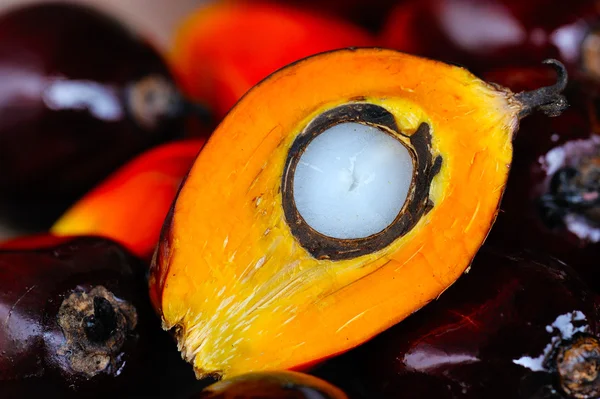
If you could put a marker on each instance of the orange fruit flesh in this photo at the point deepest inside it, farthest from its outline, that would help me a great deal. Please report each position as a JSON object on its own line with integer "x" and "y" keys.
{"x": 240, "y": 290}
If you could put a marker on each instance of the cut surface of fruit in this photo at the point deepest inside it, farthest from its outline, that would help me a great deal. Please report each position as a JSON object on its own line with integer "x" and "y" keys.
{"x": 248, "y": 284}
{"x": 352, "y": 180}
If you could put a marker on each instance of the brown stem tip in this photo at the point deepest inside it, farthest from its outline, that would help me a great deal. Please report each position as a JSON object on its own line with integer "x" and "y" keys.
{"x": 578, "y": 366}
{"x": 547, "y": 99}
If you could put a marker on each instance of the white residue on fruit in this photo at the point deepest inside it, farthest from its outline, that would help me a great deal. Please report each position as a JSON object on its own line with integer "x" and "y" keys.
{"x": 554, "y": 160}
{"x": 563, "y": 328}
{"x": 579, "y": 226}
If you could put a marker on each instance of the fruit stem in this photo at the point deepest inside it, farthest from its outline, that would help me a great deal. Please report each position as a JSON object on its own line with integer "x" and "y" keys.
{"x": 578, "y": 366}
{"x": 547, "y": 99}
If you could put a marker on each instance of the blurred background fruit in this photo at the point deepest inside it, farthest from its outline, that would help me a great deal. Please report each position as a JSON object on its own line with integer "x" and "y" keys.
{"x": 492, "y": 33}
{"x": 369, "y": 14}
{"x": 151, "y": 19}
{"x": 131, "y": 204}
{"x": 81, "y": 94}
{"x": 154, "y": 19}
{"x": 222, "y": 50}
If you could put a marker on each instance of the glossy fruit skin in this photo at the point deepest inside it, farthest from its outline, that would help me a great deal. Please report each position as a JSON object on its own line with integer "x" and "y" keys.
{"x": 131, "y": 204}
{"x": 80, "y": 96}
{"x": 241, "y": 43}
{"x": 491, "y": 33}
{"x": 480, "y": 337}
{"x": 271, "y": 385}
{"x": 36, "y": 356}
{"x": 524, "y": 220}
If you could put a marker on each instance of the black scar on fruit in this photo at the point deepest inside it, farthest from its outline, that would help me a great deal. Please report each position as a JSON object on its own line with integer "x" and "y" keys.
{"x": 517, "y": 325}
{"x": 80, "y": 94}
{"x": 552, "y": 197}
{"x": 76, "y": 321}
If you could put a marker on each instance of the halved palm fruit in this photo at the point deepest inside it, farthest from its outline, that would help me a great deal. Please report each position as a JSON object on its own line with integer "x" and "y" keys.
{"x": 339, "y": 196}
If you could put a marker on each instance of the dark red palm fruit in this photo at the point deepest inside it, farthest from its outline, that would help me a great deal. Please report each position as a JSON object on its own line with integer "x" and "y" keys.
{"x": 271, "y": 385}
{"x": 368, "y": 14}
{"x": 551, "y": 202}
{"x": 493, "y": 33}
{"x": 517, "y": 325}
{"x": 79, "y": 95}
{"x": 76, "y": 321}
{"x": 34, "y": 241}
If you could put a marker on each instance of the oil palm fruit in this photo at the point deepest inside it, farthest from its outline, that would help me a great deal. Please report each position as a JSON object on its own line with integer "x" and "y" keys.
{"x": 82, "y": 95}
{"x": 487, "y": 34}
{"x": 77, "y": 322}
{"x": 131, "y": 204}
{"x": 339, "y": 196}
{"x": 272, "y": 385}
{"x": 519, "y": 325}
{"x": 241, "y": 43}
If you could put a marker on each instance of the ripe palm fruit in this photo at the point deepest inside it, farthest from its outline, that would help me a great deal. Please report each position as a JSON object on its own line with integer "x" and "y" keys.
{"x": 131, "y": 204}
{"x": 369, "y": 14}
{"x": 519, "y": 325}
{"x": 81, "y": 96}
{"x": 272, "y": 385}
{"x": 34, "y": 241}
{"x": 307, "y": 226}
{"x": 491, "y": 33}
{"x": 76, "y": 322}
{"x": 240, "y": 44}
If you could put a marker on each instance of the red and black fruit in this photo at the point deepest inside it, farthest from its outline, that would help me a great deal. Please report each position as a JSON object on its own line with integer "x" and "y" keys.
{"x": 493, "y": 33}
{"x": 516, "y": 326}
{"x": 76, "y": 321}
{"x": 79, "y": 95}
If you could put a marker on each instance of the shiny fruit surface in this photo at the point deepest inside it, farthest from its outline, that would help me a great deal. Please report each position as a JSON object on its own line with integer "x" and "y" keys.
{"x": 493, "y": 33}
{"x": 76, "y": 322}
{"x": 80, "y": 95}
{"x": 517, "y": 325}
